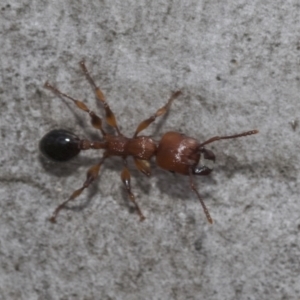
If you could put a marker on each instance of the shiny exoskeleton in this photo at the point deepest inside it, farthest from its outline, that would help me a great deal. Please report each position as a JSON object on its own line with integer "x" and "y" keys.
{"x": 60, "y": 145}
{"x": 175, "y": 152}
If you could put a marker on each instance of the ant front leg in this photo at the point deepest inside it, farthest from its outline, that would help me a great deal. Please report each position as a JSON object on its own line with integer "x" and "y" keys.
{"x": 144, "y": 124}
{"x": 110, "y": 117}
{"x": 193, "y": 187}
{"x": 91, "y": 175}
{"x": 125, "y": 176}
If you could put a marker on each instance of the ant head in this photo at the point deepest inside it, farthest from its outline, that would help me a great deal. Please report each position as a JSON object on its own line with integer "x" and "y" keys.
{"x": 206, "y": 163}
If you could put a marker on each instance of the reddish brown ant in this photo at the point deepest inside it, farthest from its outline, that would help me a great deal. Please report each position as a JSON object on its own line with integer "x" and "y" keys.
{"x": 175, "y": 152}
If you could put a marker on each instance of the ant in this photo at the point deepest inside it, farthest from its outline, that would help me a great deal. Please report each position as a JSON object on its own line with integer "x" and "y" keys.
{"x": 175, "y": 152}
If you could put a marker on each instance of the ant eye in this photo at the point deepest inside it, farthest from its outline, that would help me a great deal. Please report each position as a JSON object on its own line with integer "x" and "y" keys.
{"x": 60, "y": 145}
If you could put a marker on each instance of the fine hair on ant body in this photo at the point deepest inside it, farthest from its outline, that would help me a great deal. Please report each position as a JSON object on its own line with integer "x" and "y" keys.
{"x": 175, "y": 152}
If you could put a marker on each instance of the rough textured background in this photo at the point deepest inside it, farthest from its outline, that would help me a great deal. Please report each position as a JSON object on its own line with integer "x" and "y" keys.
{"x": 237, "y": 64}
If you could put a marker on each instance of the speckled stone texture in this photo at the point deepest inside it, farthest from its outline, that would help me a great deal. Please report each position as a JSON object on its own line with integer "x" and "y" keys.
{"x": 238, "y": 67}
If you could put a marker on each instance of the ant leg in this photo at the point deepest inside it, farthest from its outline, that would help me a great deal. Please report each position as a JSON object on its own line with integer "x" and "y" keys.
{"x": 125, "y": 176}
{"x": 143, "y": 166}
{"x": 110, "y": 117}
{"x": 91, "y": 175}
{"x": 95, "y": 120}
{"x": 193, "y": 187}
{"x": 144, "y": 124}
{"x": 216, "y": 138}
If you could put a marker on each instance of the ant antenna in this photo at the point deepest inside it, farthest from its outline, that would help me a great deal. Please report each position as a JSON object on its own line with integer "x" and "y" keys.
{"x": 217, "y": 138}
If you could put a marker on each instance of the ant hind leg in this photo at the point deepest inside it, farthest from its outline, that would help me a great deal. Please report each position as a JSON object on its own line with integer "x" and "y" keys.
{"x": 95, "y": 120}
{"x": 110, "y": 117}
{"x": 91, "y": 175}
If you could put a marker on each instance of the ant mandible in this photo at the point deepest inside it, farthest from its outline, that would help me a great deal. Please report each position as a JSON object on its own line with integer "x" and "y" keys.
{"x": 175, "y": 152}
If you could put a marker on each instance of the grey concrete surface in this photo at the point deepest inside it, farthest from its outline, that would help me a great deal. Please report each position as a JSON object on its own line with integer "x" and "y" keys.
{"x": 237, "y": 65}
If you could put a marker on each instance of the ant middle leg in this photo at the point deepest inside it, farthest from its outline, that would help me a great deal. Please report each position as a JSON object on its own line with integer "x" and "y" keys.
{"x": 125, "y": 176}
{"x": 110, "y": 117}
{"x": 91, "y": 175}
{"x": 144, "y": 124}
{"x": 95, "y": 120}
